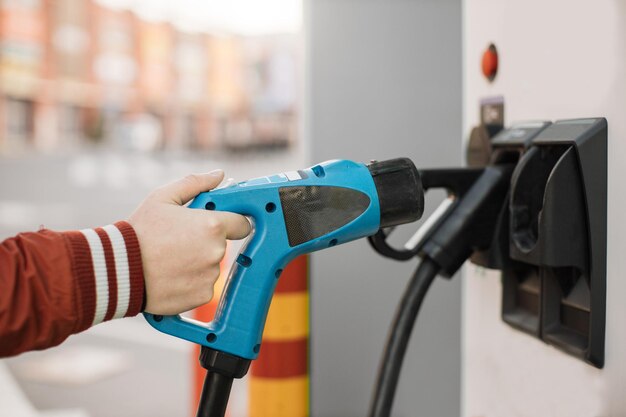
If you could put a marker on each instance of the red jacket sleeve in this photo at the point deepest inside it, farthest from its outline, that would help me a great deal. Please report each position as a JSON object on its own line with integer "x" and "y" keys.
{"x": 54, "y": 284}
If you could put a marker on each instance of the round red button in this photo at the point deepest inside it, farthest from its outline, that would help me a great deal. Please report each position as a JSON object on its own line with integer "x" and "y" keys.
{"x": 490, "y": 62}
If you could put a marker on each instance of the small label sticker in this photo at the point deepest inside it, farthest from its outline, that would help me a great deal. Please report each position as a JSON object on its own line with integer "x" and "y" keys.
{"x": 293, "y": 175}
{"x": 492, "y": 111}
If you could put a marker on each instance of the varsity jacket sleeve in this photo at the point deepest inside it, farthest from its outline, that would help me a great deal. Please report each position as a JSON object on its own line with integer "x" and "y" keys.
{"x": 55, "y": 284}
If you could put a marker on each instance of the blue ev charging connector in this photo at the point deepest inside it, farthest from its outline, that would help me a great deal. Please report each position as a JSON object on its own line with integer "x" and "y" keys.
{"x": 293, "y": 213}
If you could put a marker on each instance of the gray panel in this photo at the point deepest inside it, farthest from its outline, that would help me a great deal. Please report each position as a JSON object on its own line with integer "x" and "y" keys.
{"x": 384, "y": 80}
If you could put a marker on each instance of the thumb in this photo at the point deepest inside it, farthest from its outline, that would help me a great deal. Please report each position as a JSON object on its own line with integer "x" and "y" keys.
{"x": 183, "y": 190}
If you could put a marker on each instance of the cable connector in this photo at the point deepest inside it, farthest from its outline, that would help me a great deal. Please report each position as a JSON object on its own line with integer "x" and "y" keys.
{"x": 471, "y": 223}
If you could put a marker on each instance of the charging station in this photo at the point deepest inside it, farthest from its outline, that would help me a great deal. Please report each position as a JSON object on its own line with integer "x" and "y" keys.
{"x": 543, "y": 336}
{"x": 544, "y": 91}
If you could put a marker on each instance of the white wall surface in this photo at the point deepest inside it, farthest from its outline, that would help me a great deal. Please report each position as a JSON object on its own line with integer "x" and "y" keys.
{"x": 558, "y": 59}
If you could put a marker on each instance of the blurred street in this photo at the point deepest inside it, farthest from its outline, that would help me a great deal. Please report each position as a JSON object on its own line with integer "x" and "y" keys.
{"x": 91, "y": 189}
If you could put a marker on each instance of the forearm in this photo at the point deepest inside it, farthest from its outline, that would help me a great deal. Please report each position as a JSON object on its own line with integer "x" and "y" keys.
{"x": 54, "y": 284}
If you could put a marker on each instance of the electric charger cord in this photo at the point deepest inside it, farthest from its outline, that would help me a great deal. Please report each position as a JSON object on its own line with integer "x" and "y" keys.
{"x": 215, "y": 394}
{"x": 398, "y": 339}
{"x": 221, "y": 368}
{"x": 468, "y": 227}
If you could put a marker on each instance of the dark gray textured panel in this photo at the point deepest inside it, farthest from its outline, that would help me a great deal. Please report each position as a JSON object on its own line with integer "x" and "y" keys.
{"x": 314, "y": 211}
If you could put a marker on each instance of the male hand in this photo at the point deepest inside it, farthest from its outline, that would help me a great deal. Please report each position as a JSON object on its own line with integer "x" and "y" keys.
{"x": 181, "y": 249}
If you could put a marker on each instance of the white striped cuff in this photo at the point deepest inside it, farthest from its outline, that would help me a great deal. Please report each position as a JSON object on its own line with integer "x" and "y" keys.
{"x": 108, "y": 271}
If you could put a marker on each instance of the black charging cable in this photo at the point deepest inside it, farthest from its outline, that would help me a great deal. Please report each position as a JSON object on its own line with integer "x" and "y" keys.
{"x": 468, "y": 227}
{"x": 221, "y": 368}
{"x": 398, "y": 339}
{"x": 215, "y": 394}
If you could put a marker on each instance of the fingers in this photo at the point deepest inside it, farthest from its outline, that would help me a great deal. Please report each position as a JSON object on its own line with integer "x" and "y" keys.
{"x": 183, "y": 190}
{"x": 235, "y": 226}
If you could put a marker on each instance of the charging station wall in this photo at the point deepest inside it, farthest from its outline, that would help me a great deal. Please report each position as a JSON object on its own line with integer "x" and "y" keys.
{"x": 557, "y": 60}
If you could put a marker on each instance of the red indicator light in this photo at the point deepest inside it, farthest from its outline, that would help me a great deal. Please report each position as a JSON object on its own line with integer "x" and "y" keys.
{"x": 490, "y": 62}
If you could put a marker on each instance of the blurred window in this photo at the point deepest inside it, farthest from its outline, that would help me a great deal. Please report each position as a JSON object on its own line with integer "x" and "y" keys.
{"x": 70, "y": 126}
{"x": 19, "y": 117}
{"x": 22, "y": 4}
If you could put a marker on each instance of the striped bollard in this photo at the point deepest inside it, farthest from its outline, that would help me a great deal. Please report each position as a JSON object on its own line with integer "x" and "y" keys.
{"x": 278, "y": 379}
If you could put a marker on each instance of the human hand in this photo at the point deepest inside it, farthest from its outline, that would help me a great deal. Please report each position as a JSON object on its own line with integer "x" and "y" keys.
{"x": 181, "y": 249}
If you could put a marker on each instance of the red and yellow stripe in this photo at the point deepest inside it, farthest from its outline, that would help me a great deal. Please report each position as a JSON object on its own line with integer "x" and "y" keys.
{"x": 279, "y": 384}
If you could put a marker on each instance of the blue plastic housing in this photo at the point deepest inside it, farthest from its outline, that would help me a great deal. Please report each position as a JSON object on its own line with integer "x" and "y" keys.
{"x": 237, "y": 327}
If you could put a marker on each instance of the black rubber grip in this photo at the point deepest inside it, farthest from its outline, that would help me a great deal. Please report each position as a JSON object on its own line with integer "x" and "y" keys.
{"x": 400, "y": 191}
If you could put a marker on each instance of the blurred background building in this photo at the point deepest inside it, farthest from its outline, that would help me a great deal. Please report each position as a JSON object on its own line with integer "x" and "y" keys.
{"x": 80, "y": 72}
{"x": 101, "y": 102}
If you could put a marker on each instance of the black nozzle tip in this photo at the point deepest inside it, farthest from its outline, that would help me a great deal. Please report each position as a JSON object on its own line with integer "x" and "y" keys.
{"x": 400, "y": 191}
